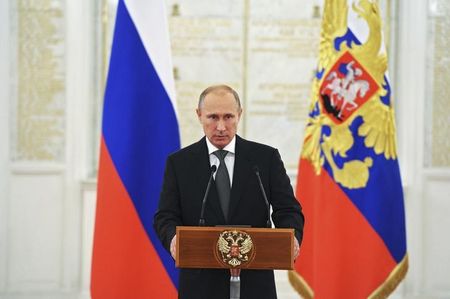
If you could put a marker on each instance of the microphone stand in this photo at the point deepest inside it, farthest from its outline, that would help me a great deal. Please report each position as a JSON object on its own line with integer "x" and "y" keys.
{"x": 235, "y": 283}
{"x": 269, "y": 223}
{"x": 201, "y": 222}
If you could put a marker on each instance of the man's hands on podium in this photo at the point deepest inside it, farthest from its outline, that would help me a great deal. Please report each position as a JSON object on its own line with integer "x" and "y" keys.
{"x": 173, "y": 247}
{"x": 296, "y": 248}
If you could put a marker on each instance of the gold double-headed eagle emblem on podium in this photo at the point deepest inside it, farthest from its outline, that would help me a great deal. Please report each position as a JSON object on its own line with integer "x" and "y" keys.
{"x": 234, "y": 248}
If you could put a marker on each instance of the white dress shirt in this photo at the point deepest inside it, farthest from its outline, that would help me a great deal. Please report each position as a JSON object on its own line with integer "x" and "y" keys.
{"x": 229, "y": 158}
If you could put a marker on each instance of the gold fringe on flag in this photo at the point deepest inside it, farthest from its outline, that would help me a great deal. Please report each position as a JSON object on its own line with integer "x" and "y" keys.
{"x": 383, "y": 291}
{"x": 396, "y": 276}
{"x": 300, "y": 285}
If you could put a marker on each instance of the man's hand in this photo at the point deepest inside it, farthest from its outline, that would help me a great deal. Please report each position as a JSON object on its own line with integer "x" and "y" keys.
{"x": 296, "y": 248}
{"x": 173, "y": 247}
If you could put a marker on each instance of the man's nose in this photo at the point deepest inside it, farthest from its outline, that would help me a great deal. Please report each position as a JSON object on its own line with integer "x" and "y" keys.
{"x": 221, "y": 125}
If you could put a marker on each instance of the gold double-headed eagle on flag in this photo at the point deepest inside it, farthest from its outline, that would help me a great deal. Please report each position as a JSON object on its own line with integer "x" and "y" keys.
{"x": 353, "y": 84}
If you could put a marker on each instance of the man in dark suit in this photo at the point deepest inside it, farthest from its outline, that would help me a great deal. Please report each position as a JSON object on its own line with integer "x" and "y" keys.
{"x": 235, "y": 196}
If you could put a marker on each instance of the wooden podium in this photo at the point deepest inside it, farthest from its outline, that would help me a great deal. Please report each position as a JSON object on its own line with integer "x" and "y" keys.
{"x": 234, "y": 247}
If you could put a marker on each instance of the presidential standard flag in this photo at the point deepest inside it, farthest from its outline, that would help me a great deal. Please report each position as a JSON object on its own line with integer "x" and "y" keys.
{"x": 139, "y": 130}
{"x": 349, "y": 183}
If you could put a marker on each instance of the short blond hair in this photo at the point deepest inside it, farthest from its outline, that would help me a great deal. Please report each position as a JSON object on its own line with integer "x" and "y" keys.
{"x": 215, "y": 88}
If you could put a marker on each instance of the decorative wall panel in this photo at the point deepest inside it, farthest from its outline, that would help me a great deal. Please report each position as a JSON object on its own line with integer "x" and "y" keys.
{"x": 437, "y": 150}
{"x": 35, "y": 235}
{"x": 207, "y": 48}
{"x": 282, "y": 55}
{"x": 39, "y": 118}
{"x": 265, "y": 50}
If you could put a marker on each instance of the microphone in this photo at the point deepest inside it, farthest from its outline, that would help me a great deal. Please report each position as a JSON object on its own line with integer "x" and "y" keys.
{"x": 201, "y": 222}
{"x": 256, "y": 170}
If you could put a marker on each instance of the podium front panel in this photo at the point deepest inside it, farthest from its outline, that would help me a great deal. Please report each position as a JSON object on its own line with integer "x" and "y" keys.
{"x": 198, "y": 247}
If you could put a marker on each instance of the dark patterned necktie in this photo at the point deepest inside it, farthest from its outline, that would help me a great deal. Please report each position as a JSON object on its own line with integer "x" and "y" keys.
{"x": 223, "y": 182}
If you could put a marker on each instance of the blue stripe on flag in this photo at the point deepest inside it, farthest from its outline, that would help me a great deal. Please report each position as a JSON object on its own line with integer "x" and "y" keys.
{"x": 139, "y": 125}
{"x": 381, "y": 201}
{"x": 349, "y": 38}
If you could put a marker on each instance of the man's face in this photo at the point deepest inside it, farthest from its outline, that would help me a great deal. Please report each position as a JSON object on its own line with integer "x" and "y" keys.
{"x": 219, "y": 115}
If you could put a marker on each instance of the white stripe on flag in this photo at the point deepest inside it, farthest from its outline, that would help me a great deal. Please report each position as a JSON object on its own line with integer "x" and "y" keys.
{"x": 150, "y": 19}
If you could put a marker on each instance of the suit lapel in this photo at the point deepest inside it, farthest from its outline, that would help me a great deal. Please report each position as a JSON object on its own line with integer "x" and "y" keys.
{"x": 242, "y": 170}
{"x": 203, "y": 170}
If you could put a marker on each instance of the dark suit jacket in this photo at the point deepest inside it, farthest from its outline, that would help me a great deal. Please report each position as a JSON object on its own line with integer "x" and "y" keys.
{"x": 185, "y": 179}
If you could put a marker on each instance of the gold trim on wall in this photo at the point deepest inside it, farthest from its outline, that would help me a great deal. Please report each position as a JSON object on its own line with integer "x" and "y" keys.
{"x": 245, "y": 28}
{"x": 40, "y": 112}
{"x": 104, "y": 50}
{"x": 439, "y": 62}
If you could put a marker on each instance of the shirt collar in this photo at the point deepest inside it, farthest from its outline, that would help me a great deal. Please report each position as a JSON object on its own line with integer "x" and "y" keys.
{"x": 230, "y": 146}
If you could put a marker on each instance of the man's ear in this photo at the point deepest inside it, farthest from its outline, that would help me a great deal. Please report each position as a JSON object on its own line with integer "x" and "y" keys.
{"x": 199, "y": 113}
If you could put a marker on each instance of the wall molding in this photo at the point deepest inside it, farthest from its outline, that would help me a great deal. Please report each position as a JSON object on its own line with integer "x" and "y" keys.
{"x": 5, "y": 95}
{"x": 36, "y": 168}
{"x": 437, "y": 174}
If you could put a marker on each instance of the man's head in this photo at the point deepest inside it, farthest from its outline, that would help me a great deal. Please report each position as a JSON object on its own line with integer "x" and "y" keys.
{"x": 219, "y": 111}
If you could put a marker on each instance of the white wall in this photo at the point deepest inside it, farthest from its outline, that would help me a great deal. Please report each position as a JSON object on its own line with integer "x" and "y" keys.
{"x": 427, "y": 188}
{"x": 4, "y": 138}
{"x": 40, "y": 199}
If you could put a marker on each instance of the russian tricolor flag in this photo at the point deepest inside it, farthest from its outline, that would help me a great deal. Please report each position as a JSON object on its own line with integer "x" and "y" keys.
{"x": 139, "y": 130}
{"x": 349, "y": 183}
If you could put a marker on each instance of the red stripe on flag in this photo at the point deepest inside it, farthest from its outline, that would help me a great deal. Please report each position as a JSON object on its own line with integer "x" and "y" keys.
{"x": 341, "y": 255}
{"x": 125, "y": 263}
